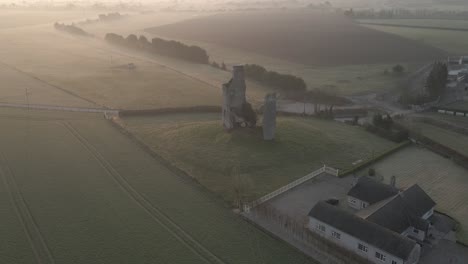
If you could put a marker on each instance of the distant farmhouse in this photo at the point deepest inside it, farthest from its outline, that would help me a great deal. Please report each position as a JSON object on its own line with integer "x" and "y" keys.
{"x": 386, "y": 227}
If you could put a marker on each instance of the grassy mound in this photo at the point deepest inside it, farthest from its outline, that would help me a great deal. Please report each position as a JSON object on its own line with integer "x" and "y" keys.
{"x": 219, "y": 160}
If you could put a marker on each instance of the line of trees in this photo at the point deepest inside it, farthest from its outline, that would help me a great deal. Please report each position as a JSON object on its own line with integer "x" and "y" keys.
{"x": 436, "y": 82}
{"x": 72, "y": 29}
{"x": 110, "y": 16}
{"x": 385, "y": 127}
{"x": 295, "y": 88}
{"x": 288, "y": 85}
{"x": 435, "y": 86}
{"x": 160, "y": 46}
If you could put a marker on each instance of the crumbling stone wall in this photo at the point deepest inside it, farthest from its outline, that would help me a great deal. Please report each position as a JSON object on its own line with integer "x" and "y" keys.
{"x": 269, "y": 117}
{"x": 236, "y": 111}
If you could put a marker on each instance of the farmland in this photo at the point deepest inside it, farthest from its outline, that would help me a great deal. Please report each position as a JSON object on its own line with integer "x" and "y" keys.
{"x": 96, "y": 197}
{"x": 16, "y": 18}
{"x": 462, "y": 105}
{"x": 451, "y": 41}
{"x": 348, "y": 70}
{"x": 453, "y": 140}
{"x": 198, "y": 144}
{"x": 309, "y": 32}
{"x": 442, "y": 179}
{"x": 428, "y": 23}
{"x": 93, "y": 70}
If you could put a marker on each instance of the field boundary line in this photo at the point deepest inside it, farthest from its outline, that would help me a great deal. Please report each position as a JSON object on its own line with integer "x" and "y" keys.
{"x": 30, "y": 75}
{"x": 157, "y": 214}
{"x": 60, "y": 108}
{"x": 413, "y": 26}
{"x": 31, "y": 229}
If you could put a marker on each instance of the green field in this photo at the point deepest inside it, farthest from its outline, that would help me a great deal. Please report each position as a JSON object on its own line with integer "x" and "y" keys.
{"x": 198, "y": 144}
{"x": 453, "y": 140}
{"x": 463, "y": 105}
{"x": 87, "y": 194}
{"x": 438, "y": 23}
{"x": 453, "y": 42}
{"x": 442, "y": 179}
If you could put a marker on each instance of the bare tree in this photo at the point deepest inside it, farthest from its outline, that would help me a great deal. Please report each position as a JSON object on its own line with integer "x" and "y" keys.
{"x": 241, "y": 185}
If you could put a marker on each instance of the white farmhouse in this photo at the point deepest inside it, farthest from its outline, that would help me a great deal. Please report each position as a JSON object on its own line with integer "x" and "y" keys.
{"x": 387, "y": 226}
{"x": 366, "y": 239}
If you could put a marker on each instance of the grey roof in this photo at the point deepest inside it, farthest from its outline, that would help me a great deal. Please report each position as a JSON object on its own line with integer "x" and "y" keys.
{"x": 396, "y": 216}
{"x": 371, "y": 191}
{"x": 371, "y": 233}
{"x": 404, "y": 210}
{"x": 418, "y": 200}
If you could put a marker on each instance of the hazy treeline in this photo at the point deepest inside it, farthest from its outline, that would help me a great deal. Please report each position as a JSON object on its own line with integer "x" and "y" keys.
{"x": 160, "y": 46}
{"x": 110, "y": 16}
{"x": 287, "y": 84}
{"x": 72, "y": 29}
{"x": 291, "y": 86}
{"x": 104, "y": 18}
{"x": 407, "y": 14}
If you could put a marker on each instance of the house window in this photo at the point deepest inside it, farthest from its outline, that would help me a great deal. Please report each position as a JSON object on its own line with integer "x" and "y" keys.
{"x": 336, "y": 235}
{"x": 353, "y": 201}
{"x": 364, "y": 205}
{"x": 380, "y": 256}
{"x": 394, "y": 262}
{"x": 416, "y": 231}
{"x": 320, "y": 227}
{"x": 362, "y": 248}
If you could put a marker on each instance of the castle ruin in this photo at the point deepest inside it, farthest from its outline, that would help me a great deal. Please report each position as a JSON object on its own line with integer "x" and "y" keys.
{"x": 269, "y": 117}
{"x": 237, "y": 112}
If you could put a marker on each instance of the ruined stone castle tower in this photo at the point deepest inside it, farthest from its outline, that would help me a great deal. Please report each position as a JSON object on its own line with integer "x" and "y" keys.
{"x": 269, "y": 117}
{"x": 234, "y": 99}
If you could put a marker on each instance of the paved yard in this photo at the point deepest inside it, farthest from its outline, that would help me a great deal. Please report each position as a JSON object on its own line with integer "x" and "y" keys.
{"x": 297, "y": 202}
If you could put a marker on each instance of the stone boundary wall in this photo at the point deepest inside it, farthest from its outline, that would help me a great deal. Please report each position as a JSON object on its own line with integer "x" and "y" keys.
{"x": 171, "y": 110}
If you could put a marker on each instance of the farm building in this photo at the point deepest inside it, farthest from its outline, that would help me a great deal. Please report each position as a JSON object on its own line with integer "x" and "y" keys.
{"x": 387, "y": 226}
{"x": 368, "y": 191}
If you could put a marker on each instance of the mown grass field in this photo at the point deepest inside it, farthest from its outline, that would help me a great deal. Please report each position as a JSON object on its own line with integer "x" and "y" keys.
{"x": 453, "y": 42}
{"x": 198, "y": 144}
{"x": 438, "y": 23}
{"x": 443, "y": 180}
{"x": 463, "y": 105}
{"x": 96, "y": 197}
{"x": 453, "y": 140}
